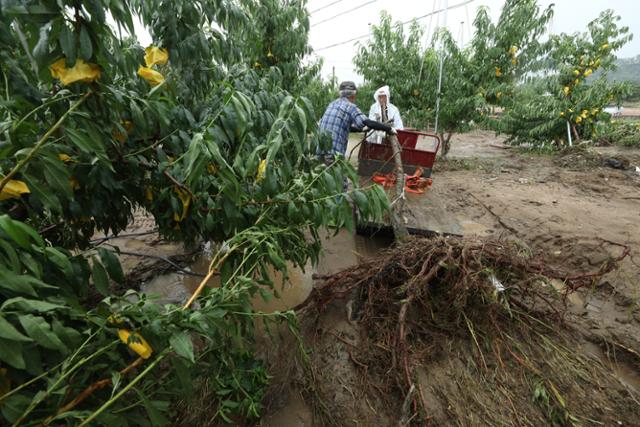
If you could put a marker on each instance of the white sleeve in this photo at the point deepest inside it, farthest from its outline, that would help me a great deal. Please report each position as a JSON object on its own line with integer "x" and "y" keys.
{"x": 372, "y": 112}
{"x": 397, "y": 121}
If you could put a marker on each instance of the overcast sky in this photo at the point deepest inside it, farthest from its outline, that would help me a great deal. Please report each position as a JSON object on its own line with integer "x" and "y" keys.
{"x": 570, "y": 16}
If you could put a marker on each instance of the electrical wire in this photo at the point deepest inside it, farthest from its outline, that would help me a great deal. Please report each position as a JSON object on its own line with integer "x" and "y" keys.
{"x": 344, "y": 13}
{"x": 466, "y": 11}
{"x": 455, "y": 6}
{"x": 424, "y": 55}
{"x": 326, "y": 6}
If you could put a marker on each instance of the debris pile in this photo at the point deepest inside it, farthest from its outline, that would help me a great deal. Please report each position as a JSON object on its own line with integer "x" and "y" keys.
{"x": 448, "y": 331}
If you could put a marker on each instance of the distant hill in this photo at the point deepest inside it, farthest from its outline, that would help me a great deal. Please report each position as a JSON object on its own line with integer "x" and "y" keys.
{"x": 628, "y": 70}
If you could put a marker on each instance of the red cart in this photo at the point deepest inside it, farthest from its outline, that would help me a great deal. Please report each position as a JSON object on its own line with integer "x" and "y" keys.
{"x": 425, "y": 214}
{"x": 374, "y": 157}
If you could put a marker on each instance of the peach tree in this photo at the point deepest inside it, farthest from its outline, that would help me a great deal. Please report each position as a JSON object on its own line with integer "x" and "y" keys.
{"x": 568, "y": 97}
{"x": 94, "y": 126}
{"x": 475, "y": 77}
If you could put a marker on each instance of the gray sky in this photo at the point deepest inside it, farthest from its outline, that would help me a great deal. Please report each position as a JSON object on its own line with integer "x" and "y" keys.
{"x": 570, "y": 16}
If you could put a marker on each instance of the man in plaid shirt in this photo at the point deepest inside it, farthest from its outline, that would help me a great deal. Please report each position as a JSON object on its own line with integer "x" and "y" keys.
{"x": 341, "y": 116}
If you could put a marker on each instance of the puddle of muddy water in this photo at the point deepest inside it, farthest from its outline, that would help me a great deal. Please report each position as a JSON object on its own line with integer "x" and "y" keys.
{"x": 623, "y": 371}
{"x": 340, "y": 251}
{"x": 473, "y": 228}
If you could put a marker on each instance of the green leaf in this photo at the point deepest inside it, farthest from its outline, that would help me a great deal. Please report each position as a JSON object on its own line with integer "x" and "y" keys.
{"x": 57, "y": 176}
{"x": 155, "y": 413}
{"x": 31, "y": 232}
{"x": 11, "y": 353}
{"x": 32, "y": 354}
{"x": 116, "y": 377}
{"x": 96, "y": 10}
{"x": 8, "y": 331}
{"x": 40, "y": 330}
{"x": 138, "y": 118}
{"x": 60, "y": 260}
{"x": 292, "y": 212}
{"x": 18, "y": 235}
{"x": 33, "y": 267}
{"x": 329, "y": 182}
{"x": 12, "y": 256}
{"x": 182, "y": 345}
{"x": 86, "y": 48}
{"x": 67, "y": 41}
{"x": 30, "y": 305}
{"x": 68, "y": 335}
{"x": 197, "y": 158}
{"x": 361, "y": 200}
{"x": 347, "y": 216}
{"x": 112, "y": 265}
{"x": 41, "y": 49}
{"x": 83, "y": 142}
{"x": 20, "y": 284}
{"x": 14, "y": 405}
{"x": 45, "y": 196}
{"x": 183, "y": 374}
{"x": 100, "y": 279}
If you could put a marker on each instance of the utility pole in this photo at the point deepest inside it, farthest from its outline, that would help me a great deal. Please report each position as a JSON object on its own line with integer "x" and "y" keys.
{"x": 446, "y": 7}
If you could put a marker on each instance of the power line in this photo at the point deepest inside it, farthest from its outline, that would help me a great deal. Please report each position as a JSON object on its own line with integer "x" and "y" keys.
{"x": 455, "y": 6}
{"x": 326, "y": 6}
{"x": 345, "y": 12}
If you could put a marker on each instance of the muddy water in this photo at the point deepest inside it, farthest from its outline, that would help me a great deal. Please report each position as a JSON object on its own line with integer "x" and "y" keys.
{"x": 623, "y": 371}
{"x": 339, "y": 252}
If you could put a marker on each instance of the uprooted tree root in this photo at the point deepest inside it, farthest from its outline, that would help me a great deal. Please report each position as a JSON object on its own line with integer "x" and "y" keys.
{"x": 459, "y": 332}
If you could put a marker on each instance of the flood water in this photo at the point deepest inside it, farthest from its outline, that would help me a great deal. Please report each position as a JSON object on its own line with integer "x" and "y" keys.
{"x": 339, "y": 252}
{"x": 626, "y": 373}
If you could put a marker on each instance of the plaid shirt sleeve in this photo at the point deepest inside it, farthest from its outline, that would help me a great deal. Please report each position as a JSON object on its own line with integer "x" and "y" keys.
{"x": 357, "y": 116}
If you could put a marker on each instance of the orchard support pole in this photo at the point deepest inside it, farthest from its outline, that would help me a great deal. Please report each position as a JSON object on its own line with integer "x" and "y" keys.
{"x": 446, "y": 6}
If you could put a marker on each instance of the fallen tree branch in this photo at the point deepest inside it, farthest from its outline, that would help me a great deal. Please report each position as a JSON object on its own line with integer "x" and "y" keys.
{"x": 397, "y": 208}
{"x": 158, "y": 257}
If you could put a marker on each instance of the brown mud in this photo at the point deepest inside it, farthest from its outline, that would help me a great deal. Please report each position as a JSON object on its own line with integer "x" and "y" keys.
{"x": 553, "y": 207}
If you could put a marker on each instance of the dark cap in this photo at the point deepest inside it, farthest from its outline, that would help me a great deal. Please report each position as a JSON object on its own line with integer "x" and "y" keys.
{"x": 347, "y": 86}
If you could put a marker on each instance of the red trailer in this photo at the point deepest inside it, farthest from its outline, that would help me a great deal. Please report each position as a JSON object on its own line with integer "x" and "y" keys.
{"x": 425, "y": 212}
{"x": 378, "y": 158}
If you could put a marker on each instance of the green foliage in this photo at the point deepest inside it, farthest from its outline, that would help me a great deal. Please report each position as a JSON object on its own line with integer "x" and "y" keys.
{"x": 392, "y": 58}
{"x": 319, "y": 92}
{"x": 217, "y": 151}
{"x": 473, "y": 78}
{"x": 364, "y": 96}
{"x": 277, "y": 37}
{"x": 620, "y": 132}
{"x": 541, "y": 86}
{"x": 567, "y": 94}
{"x": 633, "y": 95}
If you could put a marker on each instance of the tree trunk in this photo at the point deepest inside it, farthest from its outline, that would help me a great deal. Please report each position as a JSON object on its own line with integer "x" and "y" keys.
{"x": 446, "y": 143}
{"x": 397, "y": 208}
{"x": 576, "y": 136}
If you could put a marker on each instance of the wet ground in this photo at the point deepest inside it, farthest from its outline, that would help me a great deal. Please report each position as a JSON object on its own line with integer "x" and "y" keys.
{"x": 556, "y": 207}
